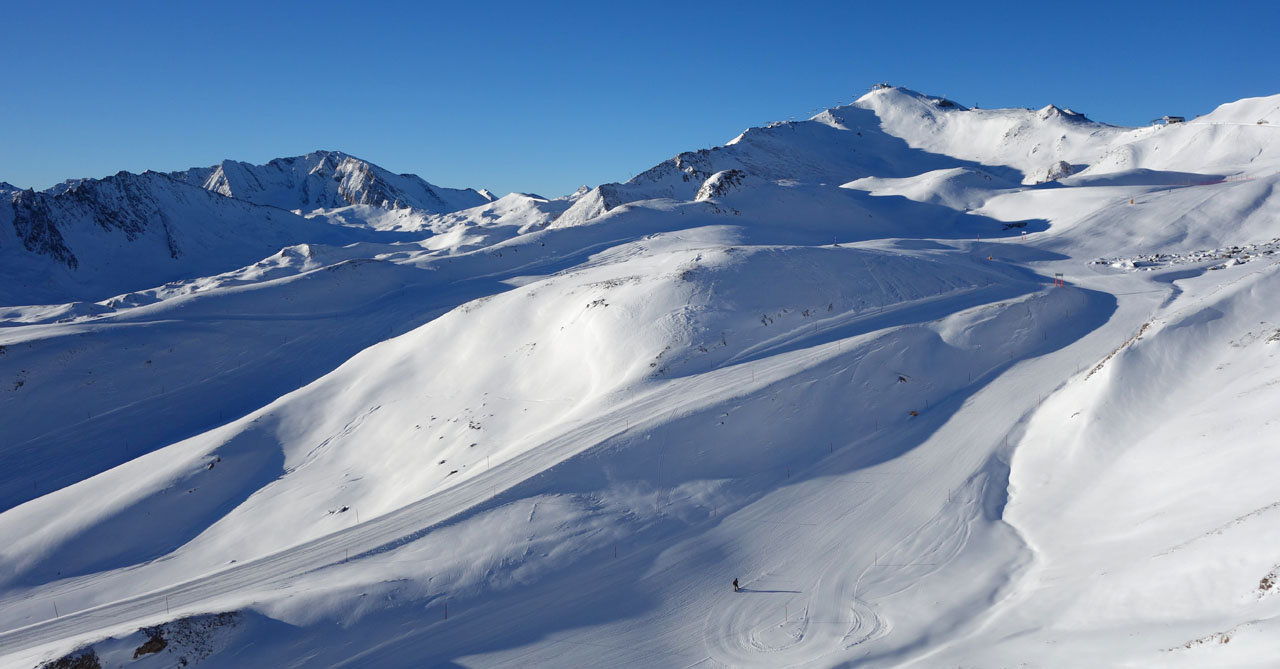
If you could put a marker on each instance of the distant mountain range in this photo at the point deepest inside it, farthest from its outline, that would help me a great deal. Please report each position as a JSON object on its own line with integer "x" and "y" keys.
{"x": 92, "y": 238}
{"x": 327, "y": 180}
{"x": 86, "y": 238}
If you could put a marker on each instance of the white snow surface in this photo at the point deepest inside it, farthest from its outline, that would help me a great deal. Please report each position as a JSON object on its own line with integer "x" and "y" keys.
{"x": 930, "y": 397}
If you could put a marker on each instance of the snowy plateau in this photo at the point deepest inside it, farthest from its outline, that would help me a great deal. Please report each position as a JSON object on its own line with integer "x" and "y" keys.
{"x": 939, "y": 387}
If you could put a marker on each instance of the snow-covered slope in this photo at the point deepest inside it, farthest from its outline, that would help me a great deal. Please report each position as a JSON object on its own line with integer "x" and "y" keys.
{"x": 468, "y": 229}
{"x": 1225, "y": 142}
{"x": 326, "y": 180}
{"x": 1029, "y": 141}
{"x": 938, "y": 386}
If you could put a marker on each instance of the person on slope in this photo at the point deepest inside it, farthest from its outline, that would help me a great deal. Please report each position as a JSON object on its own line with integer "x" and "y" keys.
{"x": 735, "y": 585}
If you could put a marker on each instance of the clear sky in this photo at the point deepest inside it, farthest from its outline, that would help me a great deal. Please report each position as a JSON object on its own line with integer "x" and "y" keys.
{"x": 534, "y": 97}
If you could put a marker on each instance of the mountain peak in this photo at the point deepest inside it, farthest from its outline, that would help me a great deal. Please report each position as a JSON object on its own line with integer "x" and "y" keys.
{"x": 1053, "y": 111}
{"x": 327, "y": 179}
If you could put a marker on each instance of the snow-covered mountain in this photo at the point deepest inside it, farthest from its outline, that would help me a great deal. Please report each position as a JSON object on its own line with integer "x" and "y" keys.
{"x": 90, "y": 238}
{"x": 937, "y": 386}
{"x": 327, "y": 180}
{"x": 888, "y": 133}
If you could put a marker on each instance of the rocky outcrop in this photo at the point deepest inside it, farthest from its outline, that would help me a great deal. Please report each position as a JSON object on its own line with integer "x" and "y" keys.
{"x": 1053, "y": 172}
{"x": 720, "y": 184}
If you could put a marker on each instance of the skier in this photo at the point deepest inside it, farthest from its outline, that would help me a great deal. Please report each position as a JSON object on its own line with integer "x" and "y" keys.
{"x": 735, "y": 585}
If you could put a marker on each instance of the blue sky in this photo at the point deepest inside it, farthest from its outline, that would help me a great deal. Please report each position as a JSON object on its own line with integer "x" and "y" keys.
{"x": 544, "y": 98}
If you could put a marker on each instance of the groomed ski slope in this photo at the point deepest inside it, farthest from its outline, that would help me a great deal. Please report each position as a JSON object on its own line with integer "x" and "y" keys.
{"x": 863, "y": 395}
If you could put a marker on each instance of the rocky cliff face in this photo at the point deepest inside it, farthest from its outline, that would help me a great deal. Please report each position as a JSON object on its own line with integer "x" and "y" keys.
{"x": 127, "y": 204}
{"x": 91, "y": 238}
{"x": 35, "y": 226}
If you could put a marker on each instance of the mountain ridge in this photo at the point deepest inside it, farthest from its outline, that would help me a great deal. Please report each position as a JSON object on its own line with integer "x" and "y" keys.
{"x": 326, "y": 180}
{"x": 95, "y": 237}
